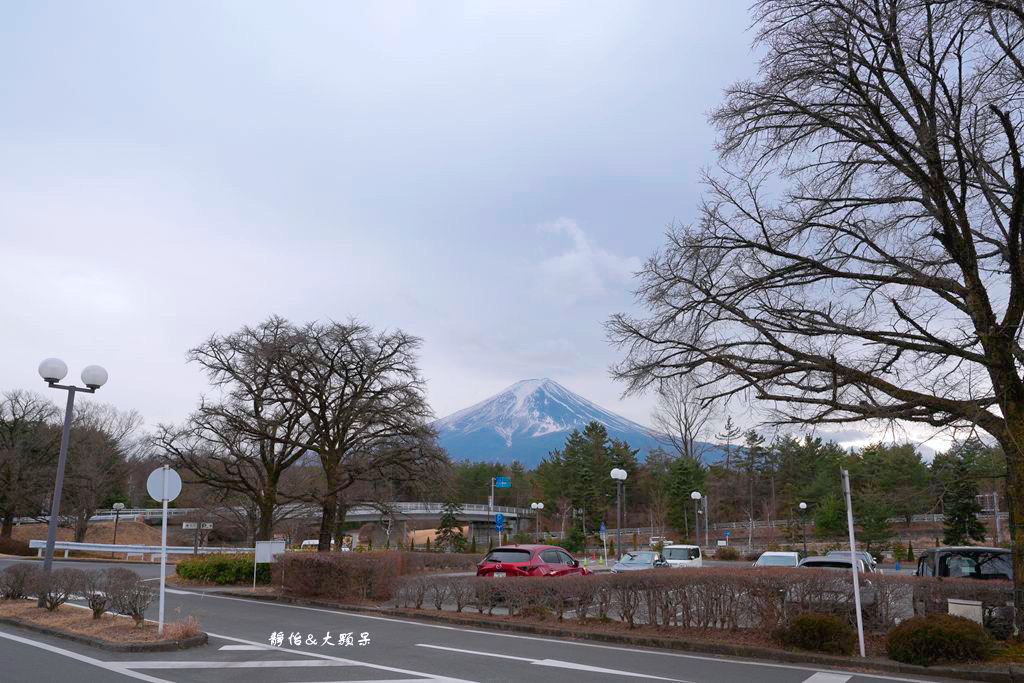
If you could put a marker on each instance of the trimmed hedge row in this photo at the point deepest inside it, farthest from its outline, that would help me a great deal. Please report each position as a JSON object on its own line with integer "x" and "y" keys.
{"x": 340, "y": 575}
{"x": 222, "y": 569}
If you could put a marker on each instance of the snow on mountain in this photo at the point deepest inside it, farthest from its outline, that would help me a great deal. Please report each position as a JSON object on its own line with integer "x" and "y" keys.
{"x": 528, "y": 420}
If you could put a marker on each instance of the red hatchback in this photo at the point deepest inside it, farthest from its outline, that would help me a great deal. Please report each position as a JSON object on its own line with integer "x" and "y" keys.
{"x": 530, "y": 560}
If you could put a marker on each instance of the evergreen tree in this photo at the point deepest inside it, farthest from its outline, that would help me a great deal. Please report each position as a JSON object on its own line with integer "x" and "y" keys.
{"x": 449, "y": 529}
{"x": 961, "y": 525}
{"x": 686, "y": 475}
{"x": 730, "y": 432}
{"x": 830, "y": 518}
{"x": 872, "y": 514}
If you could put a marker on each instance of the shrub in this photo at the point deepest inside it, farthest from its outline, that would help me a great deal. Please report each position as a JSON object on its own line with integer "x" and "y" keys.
{"x": 727, "y": 553}
{"x": 819, "y": 633}
{"x": 96, "y": 591}
{"x": 938, "y": 638}
{"x": 16, "y": 581}
{"x": 54, "y": 588}
{"x": 222, "y": 569}
{"x": 12, "y": 546}
{"x": 133, "y": 598}
{"x": 340, "y": 575}
{"x": 179, "y": 630}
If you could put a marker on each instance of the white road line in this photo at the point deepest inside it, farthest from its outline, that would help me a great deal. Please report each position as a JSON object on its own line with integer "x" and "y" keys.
{"x": 244, "y": 647}
{"x": 380, "y": 667}
{"x": 109, "y": 666}
{"x": 499, "y": 634}
{"x": 824, "y": 677}
{"x": 558, "y": 664}
{"x": 183, "y": 664}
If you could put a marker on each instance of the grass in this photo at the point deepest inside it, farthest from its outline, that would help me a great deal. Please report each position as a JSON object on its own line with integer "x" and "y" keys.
{"x": 111, "y": 628}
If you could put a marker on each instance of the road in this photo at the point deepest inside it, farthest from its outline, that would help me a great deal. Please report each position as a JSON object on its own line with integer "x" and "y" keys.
{"x": 393, "y": 649}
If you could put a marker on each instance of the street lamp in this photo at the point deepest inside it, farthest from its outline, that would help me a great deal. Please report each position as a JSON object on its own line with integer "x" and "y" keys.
{"x": 619, "y": 475}
{"x": 537, "y": 507}
{"x": 53, "y": 370}
{"x": 117, "y": 516}
{"x": 803, "y": 521}
{"x": 695, "y": 496}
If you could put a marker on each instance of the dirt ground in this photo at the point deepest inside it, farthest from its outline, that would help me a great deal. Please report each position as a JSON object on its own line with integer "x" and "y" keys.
{"x": 128, "y": 531}
{"x": 109, "y": 627}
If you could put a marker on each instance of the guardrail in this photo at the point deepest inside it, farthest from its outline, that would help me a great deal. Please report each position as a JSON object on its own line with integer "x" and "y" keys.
{"x": 152, "y": 550}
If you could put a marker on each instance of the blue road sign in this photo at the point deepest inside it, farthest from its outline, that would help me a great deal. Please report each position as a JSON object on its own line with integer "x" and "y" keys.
{"x": 499, "y": 521}
{"x": 728, "y": 533}
{"x": 603, "y": 527}
{"x": 502, "y": 483}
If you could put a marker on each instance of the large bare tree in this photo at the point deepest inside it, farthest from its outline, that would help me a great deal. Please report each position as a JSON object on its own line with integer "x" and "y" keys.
{"x": 243, "y": 441}
{"x": 682, "y": 414}
{"x": 859, "y": 252}
{"x": 363, "y": 400}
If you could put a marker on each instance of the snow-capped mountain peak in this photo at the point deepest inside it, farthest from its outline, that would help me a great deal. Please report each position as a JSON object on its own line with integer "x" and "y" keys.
{"x": 526, "y": 420}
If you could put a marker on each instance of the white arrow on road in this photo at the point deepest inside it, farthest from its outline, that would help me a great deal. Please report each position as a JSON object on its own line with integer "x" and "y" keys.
{"x": 555, "y": 663}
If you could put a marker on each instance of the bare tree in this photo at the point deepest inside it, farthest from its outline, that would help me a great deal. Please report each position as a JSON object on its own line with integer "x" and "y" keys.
{"x": 102, "y": 438}
{"x": 682, "y": 414}
{"x": 243, "y": 442}
{"x": 885, "y": 278}
{"x": 28, "y": 449}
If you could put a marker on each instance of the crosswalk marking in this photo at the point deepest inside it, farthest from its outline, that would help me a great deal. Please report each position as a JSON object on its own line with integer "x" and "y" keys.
{"x": 824, "y": 677}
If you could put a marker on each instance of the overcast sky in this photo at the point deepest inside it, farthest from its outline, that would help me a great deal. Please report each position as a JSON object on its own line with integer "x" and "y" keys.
{"x": 485, "y": 175}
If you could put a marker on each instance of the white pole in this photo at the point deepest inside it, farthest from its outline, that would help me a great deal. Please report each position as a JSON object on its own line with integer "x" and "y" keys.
{"x": 163, "y": 552}
{"x": 853, "y": 560}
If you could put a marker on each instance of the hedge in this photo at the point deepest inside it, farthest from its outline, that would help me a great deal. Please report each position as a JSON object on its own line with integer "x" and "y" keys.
{"x": 819, "y": 633}
{"x": 222, "y": 569}
{"x": 13, "y": 546}
{"x": 340, "y": 575}
{"x": 938, "y": 638}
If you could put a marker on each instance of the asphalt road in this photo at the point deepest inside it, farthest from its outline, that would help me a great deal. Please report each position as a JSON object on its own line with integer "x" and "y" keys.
{"x": 393, "y": 649}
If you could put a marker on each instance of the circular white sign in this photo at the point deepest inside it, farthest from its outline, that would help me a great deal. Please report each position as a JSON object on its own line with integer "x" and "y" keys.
{"x": 155, "y": 484}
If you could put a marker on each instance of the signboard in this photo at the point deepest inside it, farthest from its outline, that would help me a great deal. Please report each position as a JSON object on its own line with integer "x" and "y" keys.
{"x": 728, "y": 533}
{"x": 206, "y": 526}
{"x": 604, "y": 530}
{"x": 502, "y": 483}
{"x": 189, "y": 525}
{"x": 723, "y": 543}
{"x": 265, "y": 550}
{"x": 499, "y": 521}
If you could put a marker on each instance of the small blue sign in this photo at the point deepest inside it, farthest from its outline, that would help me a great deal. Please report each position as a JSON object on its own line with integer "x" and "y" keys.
{"x": 499, "y": 521}
{"x": 502, "y": 483}
{"x": 603, "y": 528}
{"x": 728, "y": 533}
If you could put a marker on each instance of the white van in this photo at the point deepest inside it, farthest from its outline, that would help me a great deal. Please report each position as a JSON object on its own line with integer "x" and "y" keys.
{"x": 683, "y": 555}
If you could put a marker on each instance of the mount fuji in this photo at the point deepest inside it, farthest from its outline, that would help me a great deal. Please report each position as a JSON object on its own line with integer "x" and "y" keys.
{"x": 528, "y": 420}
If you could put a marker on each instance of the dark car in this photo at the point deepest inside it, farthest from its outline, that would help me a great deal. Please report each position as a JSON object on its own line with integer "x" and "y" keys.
{"x": 966, "y": 562}
{"x": 636, "y": 561}
{"x": 529, "y": 560}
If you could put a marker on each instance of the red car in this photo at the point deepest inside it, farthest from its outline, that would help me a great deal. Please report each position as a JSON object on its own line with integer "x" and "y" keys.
{"x": 529, "y": 560}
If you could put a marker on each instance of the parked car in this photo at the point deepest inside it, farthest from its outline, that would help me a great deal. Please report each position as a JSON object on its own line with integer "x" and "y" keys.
{"x": 966, "y": 562}
{"x": 682, "y": 555}
{"x": 773, "y": 558}
{"x": 529, "y": 560}
{"x": 869, "y": 561}
{"x": 639, "y": 560}
{"x": 833, "y": 562}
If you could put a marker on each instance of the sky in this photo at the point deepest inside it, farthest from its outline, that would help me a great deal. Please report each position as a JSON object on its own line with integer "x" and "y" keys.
{"x": 485, "y": 175}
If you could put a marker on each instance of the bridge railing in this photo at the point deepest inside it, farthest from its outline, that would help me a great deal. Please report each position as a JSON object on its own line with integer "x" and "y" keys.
{"x": 134, "y": 549}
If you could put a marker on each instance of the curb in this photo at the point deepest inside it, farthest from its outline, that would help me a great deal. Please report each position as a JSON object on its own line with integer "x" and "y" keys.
{"x": 1011, "y": 674}
{"x": 165, "y": 646}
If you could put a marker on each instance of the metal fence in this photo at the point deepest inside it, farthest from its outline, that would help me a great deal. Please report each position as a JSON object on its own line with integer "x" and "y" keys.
{"x": 129, "y": 549}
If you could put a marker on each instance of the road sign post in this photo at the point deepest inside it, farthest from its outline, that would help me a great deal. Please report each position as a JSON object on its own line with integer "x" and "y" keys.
{"x": 164, "y": 485}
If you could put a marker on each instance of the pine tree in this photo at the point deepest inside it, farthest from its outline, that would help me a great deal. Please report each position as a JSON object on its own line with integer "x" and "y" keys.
{"x": 449, "y": 530}
{"x": 961, "y": 525}
{"x": 428, "y": 544}
{"x": 729, "y": 434}
{"x": 830, "y": 518}
{"x": 910, "y": 551}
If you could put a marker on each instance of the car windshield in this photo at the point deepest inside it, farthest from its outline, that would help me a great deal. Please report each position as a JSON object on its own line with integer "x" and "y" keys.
{"x": 976, "y": 564}
{"x": 681, "y": 553}
{"x": 776, "y": 560}
{"x": 638, "y": 558}
{"x": 503, "y": 555}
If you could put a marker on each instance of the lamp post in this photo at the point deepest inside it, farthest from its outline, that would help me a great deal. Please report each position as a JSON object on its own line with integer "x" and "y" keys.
{"x": 537, "y": 507}
{"x": 619, "y": 475}
{"x": 53, "y": 370}
{"x": 117, "y": 516}
{"x": 803, "y": 521}
{"x": 695, "y": 496}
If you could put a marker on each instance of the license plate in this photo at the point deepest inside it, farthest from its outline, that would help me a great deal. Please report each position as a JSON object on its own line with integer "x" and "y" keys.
{"x": 498, "y": 575}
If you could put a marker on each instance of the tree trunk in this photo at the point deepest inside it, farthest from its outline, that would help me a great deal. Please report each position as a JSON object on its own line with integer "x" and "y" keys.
{"x": 1013, "y": 447}
{"x": 8, "y": 525}
{"x": 340, "y": 510}
{"x": 328, "y": 515}
{"x": 81, "y": 527}
{"x": 265, "y": 523}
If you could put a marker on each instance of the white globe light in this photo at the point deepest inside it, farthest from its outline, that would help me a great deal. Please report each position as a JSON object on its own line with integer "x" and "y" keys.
{"x": 695, "y": 495}
{"x": 119, "y": 506}
{"x": 53, "y": 369}
{"x": 803, "y": 506}
{"x": 94, "y": 377}
{"x": 533, "y": 506}
{"x": 619, "y": 474}
{"x": 540, "y": 506}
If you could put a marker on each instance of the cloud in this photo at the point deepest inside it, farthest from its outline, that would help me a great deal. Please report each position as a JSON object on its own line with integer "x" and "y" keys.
{"x": 583, "y": 271}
